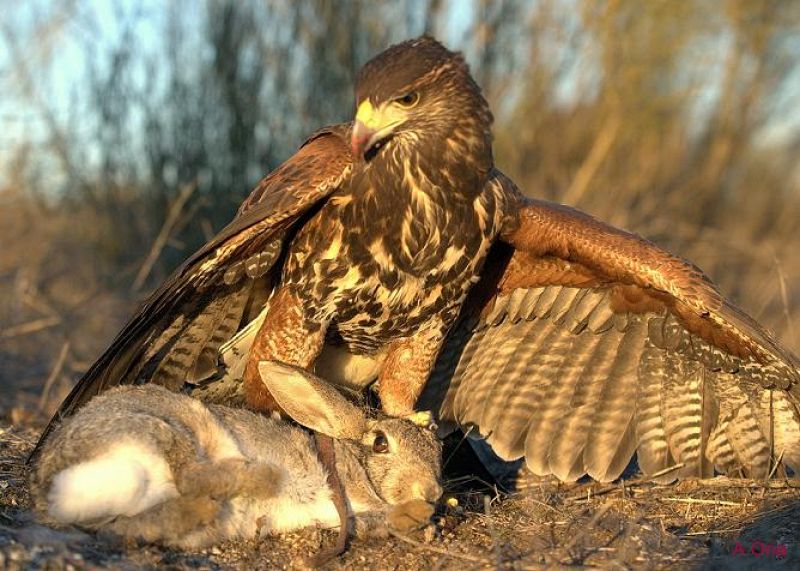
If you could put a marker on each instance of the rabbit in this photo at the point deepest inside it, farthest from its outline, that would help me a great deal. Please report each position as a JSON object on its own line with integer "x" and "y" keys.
{"x": 142, "y": 462}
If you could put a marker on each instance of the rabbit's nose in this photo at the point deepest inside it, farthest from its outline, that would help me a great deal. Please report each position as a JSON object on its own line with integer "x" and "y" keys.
{"x": 428, "y": 491}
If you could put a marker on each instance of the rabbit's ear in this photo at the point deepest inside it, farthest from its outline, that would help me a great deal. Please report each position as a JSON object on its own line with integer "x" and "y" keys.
{"x": 311, "y": 401}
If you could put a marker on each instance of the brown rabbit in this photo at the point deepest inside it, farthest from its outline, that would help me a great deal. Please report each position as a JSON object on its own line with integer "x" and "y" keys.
{"x": 144, "y": 462}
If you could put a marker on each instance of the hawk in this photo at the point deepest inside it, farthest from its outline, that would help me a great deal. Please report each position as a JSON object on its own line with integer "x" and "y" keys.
{"x": 391, "y": 249}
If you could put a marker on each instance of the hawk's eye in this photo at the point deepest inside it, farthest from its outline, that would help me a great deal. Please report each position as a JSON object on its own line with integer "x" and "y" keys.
{"x": 408, "y": 100}
{"x": 381, "y": 444}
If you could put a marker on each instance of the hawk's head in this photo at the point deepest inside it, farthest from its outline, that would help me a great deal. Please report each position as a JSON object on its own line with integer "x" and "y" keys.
{"x": 420, "y": 95}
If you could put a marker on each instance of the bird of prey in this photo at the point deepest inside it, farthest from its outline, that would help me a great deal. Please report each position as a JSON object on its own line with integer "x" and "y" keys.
{"x": 391, "y": 249}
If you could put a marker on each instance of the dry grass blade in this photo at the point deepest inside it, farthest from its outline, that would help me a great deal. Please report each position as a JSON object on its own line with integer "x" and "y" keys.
{"x": 599, "y": 151}
{"x": 599, "y": 514}
{"x": 665, "y": 471}
{"x": 785, "y": 301}
{"x": 54, "y": 373}
{"x": 29, "y": 327}
{"x": 173, "y": 216}
{"x": 712, "y": 532}
{"x": 487, "y": 511}
{"x": 775, "y": 466}
{"x": 699, "y": 501}
{"x": 433, "y": 549}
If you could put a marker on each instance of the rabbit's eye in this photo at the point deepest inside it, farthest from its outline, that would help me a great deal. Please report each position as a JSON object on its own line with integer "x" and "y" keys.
{"x": 381, "y": 444}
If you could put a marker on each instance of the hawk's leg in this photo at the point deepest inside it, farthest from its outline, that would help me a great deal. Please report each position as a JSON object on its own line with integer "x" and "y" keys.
{"x": 288, "y": 337}
{"x": 285, "y": 336}
{"x": 406, "y": 369}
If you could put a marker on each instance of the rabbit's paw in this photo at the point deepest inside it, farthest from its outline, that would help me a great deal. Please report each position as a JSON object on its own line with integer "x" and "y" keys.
{"x": 198, "y": 511}
{"x": 372, "y": 525}
{"x": 410, "y": 515}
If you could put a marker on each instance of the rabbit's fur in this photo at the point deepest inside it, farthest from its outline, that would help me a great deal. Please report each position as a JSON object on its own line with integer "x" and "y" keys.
{"x": 144, "y": 462}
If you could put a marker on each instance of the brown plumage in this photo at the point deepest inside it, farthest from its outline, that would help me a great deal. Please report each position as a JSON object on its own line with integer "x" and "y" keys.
{"x": 391, "y": 247}
{"x": 625, "y": 348}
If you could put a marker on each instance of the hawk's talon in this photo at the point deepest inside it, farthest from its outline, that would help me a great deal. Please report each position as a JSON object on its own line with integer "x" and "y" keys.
{"x": 423, "y": 418}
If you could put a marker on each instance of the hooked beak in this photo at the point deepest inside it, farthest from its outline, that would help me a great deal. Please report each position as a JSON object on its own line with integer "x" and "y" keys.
{"x": 362, "y": 139}
{"x": 371, "y": 127}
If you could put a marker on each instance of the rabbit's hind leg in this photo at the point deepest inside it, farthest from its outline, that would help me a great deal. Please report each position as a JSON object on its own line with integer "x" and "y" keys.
{"x": 230, "y": 478}
{"x": 169, "y": 522}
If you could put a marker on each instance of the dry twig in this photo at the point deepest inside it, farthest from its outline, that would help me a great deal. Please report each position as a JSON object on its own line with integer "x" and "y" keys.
{"x": 699, "y": 501}
{"x": 29, "y": 327}
{"x": 173, "y": 215}
{"x": 57, "y": 368}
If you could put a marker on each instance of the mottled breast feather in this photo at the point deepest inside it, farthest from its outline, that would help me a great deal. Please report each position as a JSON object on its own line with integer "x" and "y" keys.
{"x": 393, "y": 249}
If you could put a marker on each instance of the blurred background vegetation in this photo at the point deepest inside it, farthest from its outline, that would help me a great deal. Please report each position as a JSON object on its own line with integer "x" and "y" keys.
{"x": 131, "y": 130}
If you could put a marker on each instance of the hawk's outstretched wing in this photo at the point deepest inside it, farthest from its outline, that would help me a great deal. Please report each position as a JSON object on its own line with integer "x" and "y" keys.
{"x": 174, "y": 336}
{"x": 583, "y": 344}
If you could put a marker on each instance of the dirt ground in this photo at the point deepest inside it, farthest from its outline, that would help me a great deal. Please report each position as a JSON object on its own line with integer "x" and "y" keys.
{"x": 718, "y": 524}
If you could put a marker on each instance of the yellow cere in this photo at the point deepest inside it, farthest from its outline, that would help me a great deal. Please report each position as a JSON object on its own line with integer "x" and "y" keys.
{"x": 366, "y": 113}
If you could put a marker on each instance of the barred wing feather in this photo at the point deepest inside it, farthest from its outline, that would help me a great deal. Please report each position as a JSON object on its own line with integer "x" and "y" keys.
{"x": 584, "y": 345}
